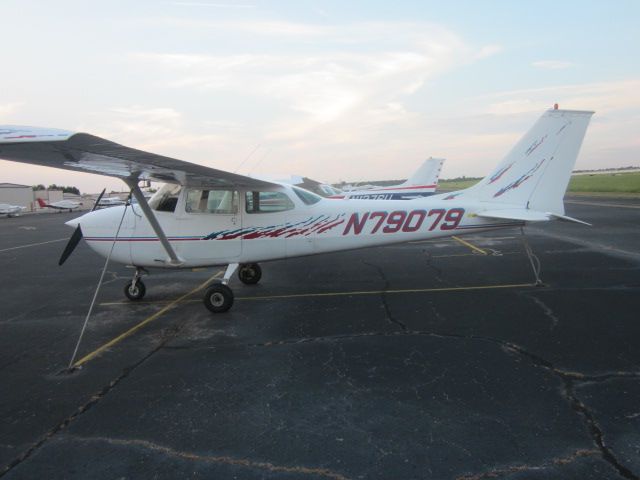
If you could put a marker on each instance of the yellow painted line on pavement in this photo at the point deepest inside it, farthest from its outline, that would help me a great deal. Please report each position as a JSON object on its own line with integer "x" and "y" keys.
{"x": 147, "y": 320}
{"x": 346, "y": 294}
{"x": 470, "y": 245}
{"x": 379, "y": 292}
{"x": 33, "y": 244}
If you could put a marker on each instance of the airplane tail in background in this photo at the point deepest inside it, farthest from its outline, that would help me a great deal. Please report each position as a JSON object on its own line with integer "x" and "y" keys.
{"x": 427, "y": 174}
{"x": 530, "y": 183}
{"x": 41, "y": 203}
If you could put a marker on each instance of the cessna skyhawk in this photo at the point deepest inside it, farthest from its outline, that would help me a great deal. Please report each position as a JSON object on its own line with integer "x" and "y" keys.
{"x": 209, "y": 217}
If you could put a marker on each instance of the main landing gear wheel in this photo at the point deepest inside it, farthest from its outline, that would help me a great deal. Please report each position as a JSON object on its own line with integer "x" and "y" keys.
{"x": 250, "y": 273}
{"x": 135, "y": 291}
{"x": 218, "y": 298}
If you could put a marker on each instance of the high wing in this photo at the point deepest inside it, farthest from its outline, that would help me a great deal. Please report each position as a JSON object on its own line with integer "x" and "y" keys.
{"x": 91, "y": 154}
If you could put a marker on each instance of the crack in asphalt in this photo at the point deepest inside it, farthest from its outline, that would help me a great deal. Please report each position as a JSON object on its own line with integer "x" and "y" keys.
{"x": 216, "y": 459}
{"x": 498, "y": 472}
{"x": 383, "y": 297}
{"x": 545, "y": 309}
{"x": 595, "y": 430}
{"x": 437, "y": 271}
{"x": 569, "y": 379}
{"x": 93, "y": 401}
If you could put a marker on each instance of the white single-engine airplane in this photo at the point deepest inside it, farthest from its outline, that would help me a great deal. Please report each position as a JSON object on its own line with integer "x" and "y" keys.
{"x": 422, "y": 183}
{"x": 110, "y": 202}
{"x": 61, "y": 205}
{"x": 208, "y": 217}
{"x": 11, "y": 210}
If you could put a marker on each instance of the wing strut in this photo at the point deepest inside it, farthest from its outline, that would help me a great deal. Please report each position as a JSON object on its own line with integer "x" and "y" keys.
{"x": 137, "y": 193}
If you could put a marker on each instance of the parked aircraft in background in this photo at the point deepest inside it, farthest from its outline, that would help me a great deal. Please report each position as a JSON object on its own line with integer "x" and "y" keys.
{"x": 110, "y": 202}
{"x": 61, "y": 205}
{"x": 422, "y": 183}
{"x": 209, "y": 217}
{"x": 11, "y": 210}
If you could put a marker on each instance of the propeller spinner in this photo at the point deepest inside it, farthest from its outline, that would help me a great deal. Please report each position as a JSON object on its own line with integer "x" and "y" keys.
{"x": 77, "y": 236}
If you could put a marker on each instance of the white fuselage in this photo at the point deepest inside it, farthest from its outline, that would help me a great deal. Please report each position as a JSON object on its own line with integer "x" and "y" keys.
{"x": 206, "y": 239}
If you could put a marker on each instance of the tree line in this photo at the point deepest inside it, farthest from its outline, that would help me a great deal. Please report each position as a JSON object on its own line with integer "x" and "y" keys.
{"x": 64, "y": 189}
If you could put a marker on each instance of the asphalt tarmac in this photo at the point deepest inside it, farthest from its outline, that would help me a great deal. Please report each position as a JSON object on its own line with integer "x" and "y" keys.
{"x": 431, "y": 360}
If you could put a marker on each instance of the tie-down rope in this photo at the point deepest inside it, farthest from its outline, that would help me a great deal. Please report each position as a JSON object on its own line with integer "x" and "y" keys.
{"x": 95, "y": 295}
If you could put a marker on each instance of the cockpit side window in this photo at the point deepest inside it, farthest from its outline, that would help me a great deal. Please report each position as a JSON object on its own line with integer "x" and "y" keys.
{"x": 166, "y": 198}
{"x": 212, "y": 201}
{"x": 267, "y": 202}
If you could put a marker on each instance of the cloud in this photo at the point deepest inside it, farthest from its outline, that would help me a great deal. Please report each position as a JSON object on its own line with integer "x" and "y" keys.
{"x": 553, "y": 64}
{"x": 359, "y": 70}
{"x": 8, "y": 109}
{"x": 211, "y": 4}
{"x": 342, "y": 103}
{"x": 601, "y": 96}
{"x": 270, "y": 28}
{"x": 502, "y": 118}
{"x": 489, "y": 51}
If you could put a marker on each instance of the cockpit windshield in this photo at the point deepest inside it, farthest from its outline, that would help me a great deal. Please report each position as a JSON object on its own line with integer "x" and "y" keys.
{"x": 306, "y": 196}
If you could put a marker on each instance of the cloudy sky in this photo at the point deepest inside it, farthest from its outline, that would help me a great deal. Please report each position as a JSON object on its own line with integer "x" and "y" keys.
{"x": 334, "y": 90}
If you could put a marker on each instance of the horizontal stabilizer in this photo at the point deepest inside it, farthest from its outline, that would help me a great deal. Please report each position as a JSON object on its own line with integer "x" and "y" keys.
{"x": 528, "y": 215}
{"x": 570, "y": 219}
{"x": 517, "y": 214}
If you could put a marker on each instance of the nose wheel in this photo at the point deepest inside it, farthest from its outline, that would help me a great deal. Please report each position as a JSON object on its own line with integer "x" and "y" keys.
{"x": 135, "y": 289}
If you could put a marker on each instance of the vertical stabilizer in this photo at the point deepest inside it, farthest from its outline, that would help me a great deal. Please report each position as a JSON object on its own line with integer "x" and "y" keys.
{"x": 536, "y": 172}
{"x": 427, "y": 174}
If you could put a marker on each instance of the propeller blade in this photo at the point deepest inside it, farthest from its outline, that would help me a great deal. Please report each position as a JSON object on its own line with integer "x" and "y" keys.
{"x": 95, "y": 205}
{"x": 71, "y": 245}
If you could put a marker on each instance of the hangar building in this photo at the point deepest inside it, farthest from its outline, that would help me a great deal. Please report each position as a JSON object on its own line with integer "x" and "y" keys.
{"x": 15, "y": 194}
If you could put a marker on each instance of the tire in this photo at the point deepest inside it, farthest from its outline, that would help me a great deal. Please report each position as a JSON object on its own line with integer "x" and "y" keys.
{"x": 218, "y": 298}
{"x": 250, "y": 273}
{"x": 135, "y": 293}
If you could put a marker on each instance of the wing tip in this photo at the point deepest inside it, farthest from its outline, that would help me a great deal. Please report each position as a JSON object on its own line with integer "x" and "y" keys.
{"x": 23, "y": 134}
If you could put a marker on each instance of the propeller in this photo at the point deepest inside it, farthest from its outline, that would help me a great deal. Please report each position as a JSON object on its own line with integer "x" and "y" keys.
{"x": 77, "y": 236}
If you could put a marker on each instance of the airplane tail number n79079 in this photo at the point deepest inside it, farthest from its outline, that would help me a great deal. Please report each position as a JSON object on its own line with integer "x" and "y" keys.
{"x": 403, "y": 221}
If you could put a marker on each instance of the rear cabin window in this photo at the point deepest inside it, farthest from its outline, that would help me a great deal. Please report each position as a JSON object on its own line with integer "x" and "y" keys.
{"x": 267, "y": 202}
{"x": 166, "y": 198}
{"x": 211, "y": 201}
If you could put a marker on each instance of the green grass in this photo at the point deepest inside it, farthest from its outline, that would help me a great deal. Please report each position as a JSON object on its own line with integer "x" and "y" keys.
{"x": 606, "y": 182}
{"x": 456, "y": 184}
{"x": 621, "y": 183}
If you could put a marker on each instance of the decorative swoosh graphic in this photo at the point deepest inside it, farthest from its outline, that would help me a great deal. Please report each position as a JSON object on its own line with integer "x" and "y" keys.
{"x": 320, "y": 224}
{"x": 499, "y": 174}
{"x": 515, "y": 184}
{"x": 534, "y": 145}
